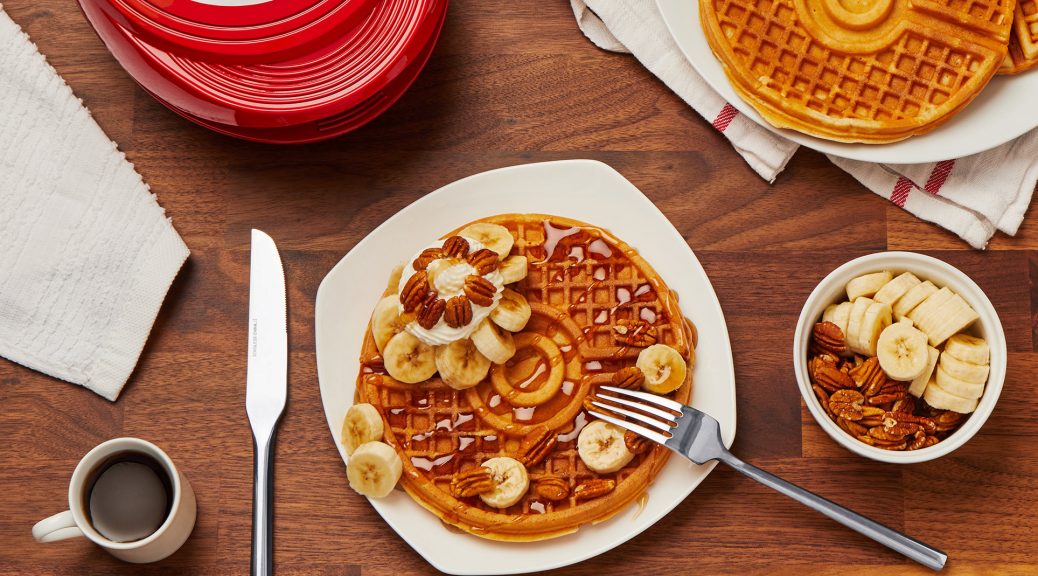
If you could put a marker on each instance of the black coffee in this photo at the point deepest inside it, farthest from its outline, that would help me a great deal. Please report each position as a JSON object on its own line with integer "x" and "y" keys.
{"x": 129, "y": 496}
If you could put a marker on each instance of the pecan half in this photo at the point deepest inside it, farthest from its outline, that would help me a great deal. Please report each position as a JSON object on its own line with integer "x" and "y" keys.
{"x": 891, "y": 391}
{"x": 472, "y": 482}
{"x": 871, "y": 416}
{"x": 414, "y": 291}
{"x": 868, "y": 376}
{"x": 905, "y": 405}
{"x": 884, "y": 444}
{"x": 456, "y": 247}
{"x": 426, "y": 257}
{"x": 458, "y": 312}
{"x": 536, "y": 446}
{"x": 636, "y": 444}
{"x": 823, "y": 399}
{"x": 917, "y": 441}
{"x": 430, "y": 312}
{"x": 853, "y": 428}
{"x": 484, "y": 260}
{"x": 927, "y": 425}
{"x": 630, "y": 377}
{"x": 828, "y": 375}
{"x": 638, "y": 333}
{"x": 593, "y": 488}
{"x": 847, "y": 404}
{"x": 480, "y": 290}
{"x": 893, "y": 434}
{"x": 828, "y": 337}
{"x": 552, "y": 488}
{"x": 947, "y": 420}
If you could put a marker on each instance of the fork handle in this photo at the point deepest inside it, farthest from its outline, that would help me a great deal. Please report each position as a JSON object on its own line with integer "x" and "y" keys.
{"x": 926, "y": 555}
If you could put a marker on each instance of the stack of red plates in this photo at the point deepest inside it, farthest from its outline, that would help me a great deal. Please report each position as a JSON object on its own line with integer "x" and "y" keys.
{"x": 279, "y": 71}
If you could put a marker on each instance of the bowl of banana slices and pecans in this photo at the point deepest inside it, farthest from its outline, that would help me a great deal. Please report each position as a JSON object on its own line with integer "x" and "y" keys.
{"x": 900, "y": 357}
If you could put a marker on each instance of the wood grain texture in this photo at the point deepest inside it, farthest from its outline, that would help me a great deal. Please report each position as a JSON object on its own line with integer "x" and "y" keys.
{"x": 510, "y": 83}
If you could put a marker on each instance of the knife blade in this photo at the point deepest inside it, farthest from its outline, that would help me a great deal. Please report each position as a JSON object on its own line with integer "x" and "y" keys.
{"x": 266, "y": 386}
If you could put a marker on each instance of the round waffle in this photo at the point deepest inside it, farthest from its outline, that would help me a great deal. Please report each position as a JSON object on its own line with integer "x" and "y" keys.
{"x": 582, "y": 284}
{"x": 1023, "y": 42}
{"x": 858, "y": 70}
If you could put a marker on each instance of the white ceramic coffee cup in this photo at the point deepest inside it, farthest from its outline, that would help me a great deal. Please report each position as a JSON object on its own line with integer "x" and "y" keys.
{"x": 74, "y": 522}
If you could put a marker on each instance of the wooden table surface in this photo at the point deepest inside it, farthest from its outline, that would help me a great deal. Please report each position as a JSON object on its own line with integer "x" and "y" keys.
{"x": 509, "y": 83}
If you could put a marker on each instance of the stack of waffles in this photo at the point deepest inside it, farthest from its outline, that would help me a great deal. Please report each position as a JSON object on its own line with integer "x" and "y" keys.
{"x": 505, "y": 449}
{"x": 868, "y": 71}
{"x": 1023, "y": 42}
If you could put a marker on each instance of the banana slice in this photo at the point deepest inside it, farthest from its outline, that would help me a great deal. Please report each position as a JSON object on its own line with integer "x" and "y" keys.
{"x": 827, "y": 315}
{"x": 927, "y": 315}
{"x": 912, "y": 298}
{"x": 362, "y": 424}
{"x": 854, "y": 320}
{"x": 960, "y": 388}
{"x": 664, "y": 368}
{"x": 918, "y": 385}
{"x": 408, "y": 359}
{"x": 493, "y": 236}
{"x": 512, "y": 311}
{"x": 965, "y": 371}
{"x": 953, "y": 316}
{"x": 374, "y": 469}
{"x": 513, "y": 269}
{"x": 877, "y": 318}
{"x": 510, "y": 482}
{"x": 943, "y": 400}
{"x": 968, "y": 349}
{"x": 494, "y": 343}
{"x": 902, "y": 351}
{"x": 842, "y": 317}
{"x": 867, "y": 285}
{"x": 386, "y": 321}
{"x": 601, "y": 447}
{"x": 461, "y": 365}
{"x": 393, "y": 286}
{"x": 892, "y": 291}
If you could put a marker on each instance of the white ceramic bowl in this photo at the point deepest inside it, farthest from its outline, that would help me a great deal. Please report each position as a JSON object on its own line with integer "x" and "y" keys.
{"x": 832, "y": 290}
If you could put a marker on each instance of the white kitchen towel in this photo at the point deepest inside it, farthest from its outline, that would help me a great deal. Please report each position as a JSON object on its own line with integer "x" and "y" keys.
{"x": 972, "y": 196}
{"x": 86, "y": 253}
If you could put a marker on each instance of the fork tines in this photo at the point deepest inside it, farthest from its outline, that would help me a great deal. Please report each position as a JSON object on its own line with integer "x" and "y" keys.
{"x": 655, "y": 411}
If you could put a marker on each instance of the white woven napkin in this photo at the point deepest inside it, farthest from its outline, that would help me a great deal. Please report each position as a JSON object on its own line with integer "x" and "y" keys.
{"x": 87, "y": 254}
{"x": 972, "y": 196}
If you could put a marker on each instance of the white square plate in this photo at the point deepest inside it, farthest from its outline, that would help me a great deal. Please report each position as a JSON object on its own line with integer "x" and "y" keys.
{"x": 581, "y": 189}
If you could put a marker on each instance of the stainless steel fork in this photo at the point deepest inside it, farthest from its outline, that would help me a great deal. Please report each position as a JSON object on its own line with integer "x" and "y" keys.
{"x": 697, "y": 436}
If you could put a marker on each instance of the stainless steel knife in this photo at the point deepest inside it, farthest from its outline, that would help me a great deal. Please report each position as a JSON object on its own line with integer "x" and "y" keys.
{"x": 266, "y": 386}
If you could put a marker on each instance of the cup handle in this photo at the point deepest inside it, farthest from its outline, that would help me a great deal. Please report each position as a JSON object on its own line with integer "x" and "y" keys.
{"x": 60, "y": 526}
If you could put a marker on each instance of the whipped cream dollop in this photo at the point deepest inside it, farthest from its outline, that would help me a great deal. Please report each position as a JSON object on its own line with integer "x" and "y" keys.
{"x": 447, "y": 279}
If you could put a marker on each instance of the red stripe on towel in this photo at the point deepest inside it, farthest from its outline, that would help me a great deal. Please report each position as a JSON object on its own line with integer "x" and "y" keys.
{"x": 900, "y": 193}
{"x": 725, "y": 117}
{"x": 939, "y": 176}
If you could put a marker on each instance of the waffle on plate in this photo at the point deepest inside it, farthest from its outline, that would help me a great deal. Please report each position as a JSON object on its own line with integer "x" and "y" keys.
{"x": 858, "y": 70}
{"x": 493, "y": 436}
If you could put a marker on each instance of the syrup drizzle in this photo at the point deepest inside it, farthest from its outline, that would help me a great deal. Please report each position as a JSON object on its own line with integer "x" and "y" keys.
{"x": 541, "y": 369}
{"x": 578, "y": 425}
{"x": 524, "y": 414}
{"x": 599, "y": 247}
{"x": 494, "y": 401}
{"x": 567, "y": 387}
{"x": 593, "y": 365}
{"x": 552, "y": 237}
{"x": 427, "y": 464}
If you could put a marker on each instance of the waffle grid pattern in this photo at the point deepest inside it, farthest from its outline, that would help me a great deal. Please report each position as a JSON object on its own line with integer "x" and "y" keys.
{"x": 909, "y": 79}
{"x": 620, "y": 292}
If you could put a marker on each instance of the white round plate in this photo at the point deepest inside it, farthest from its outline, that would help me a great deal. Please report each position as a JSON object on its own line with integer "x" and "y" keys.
{"x": 1004, "y": 110}
{"x": 582, "y": 189}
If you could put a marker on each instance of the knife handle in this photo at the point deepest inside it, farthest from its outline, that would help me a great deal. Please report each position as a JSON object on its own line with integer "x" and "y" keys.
{"x": 262, "y": 506}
